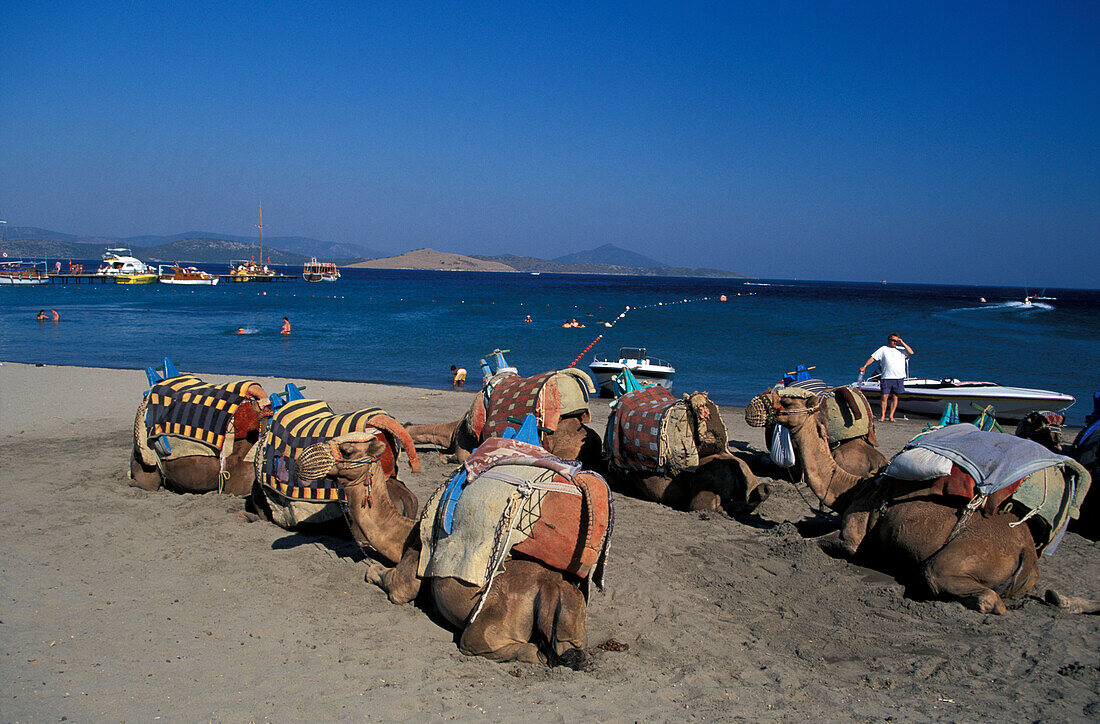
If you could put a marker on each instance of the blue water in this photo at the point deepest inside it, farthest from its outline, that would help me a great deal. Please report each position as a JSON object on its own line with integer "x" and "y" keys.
{"x": 409, "y": 327}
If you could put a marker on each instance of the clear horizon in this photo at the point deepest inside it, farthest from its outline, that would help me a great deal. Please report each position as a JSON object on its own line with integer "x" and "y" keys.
{"x": 933, "y": 144}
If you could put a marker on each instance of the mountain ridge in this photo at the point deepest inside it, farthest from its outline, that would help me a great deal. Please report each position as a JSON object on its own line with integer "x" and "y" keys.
{"x": 207, "y": 247}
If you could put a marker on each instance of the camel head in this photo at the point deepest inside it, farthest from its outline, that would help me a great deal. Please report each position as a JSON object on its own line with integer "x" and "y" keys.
{"x": 567, "y": 440}
{"x": 796, "y": 411}
{"x": 347, "y": 459}
{"x": 1044, "y": 428}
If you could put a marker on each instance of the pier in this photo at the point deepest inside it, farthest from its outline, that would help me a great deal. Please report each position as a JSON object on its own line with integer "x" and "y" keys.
{"x": 98, "y": 279}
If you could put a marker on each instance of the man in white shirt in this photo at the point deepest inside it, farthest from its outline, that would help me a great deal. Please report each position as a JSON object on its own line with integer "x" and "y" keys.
{"x": 892, "y": 358}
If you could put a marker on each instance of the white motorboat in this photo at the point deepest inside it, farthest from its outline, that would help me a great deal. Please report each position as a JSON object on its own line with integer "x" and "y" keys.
{"x": 641, "y": 365}
{"x": 121, "y": 264}
{"x": 187, "y": 276}
{"x": 925, "y": 396}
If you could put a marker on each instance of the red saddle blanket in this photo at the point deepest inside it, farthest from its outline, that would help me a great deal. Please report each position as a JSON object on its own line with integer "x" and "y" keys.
{"x": 958, "y": 484}
{"x": 515, "y": 397}
{"x": 634, "y": 435}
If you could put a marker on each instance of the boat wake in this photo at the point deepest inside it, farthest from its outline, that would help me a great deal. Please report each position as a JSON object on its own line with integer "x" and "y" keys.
{"x": 1009, "y": 307}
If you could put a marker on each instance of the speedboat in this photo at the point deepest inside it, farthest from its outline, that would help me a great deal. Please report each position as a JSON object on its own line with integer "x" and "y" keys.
{"x": 121, "y": 264}
{"x": 23, "y": 274}
{"x": 641, "y": 365}
{"x": 926, "y": 396}
{"x": 318, "y": 271}
{"x": 190, "y": 276}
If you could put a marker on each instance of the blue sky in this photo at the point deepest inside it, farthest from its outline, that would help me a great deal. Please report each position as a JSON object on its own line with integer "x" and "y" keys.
{"x": 934, "y": 142}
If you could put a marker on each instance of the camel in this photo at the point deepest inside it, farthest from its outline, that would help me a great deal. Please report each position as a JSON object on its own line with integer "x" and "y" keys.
{"x": 285, "y": 498}
{"x": 1045, "y": 428}
{"x": 986, "y": 561}
{"x": 188, "y": 466}
{"x": 532, "y": 613}
{"x": 695, "y": 469}
{"x": 559, "y": 399}
{"x": 858, "y": 454}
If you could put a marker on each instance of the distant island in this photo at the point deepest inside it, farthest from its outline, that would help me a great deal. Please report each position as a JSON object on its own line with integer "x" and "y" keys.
{"x": 211, "y": 248}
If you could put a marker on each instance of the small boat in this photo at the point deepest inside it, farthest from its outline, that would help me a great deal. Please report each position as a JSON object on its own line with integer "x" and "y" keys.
{"x": 925, "y": 396}
{"x": 250, "y": 271}
{"x": 641, "y": 365}
{"x": 121, "y": 264}
{"x": 190, "y": 276}
{"x": 318, "y": 271}
{"x": 23, "y": 274}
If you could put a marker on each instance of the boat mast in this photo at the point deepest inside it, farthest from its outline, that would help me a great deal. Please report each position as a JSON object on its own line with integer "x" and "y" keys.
{"x": 260, "y": 226}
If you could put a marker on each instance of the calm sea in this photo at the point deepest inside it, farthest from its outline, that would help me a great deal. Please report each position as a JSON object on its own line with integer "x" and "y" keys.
{"x": 409, "y": 327}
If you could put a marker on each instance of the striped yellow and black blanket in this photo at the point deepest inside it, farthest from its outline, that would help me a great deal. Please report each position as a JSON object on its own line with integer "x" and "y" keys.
{"x": 186, "y": 406}
{"x": 302, "y": 423}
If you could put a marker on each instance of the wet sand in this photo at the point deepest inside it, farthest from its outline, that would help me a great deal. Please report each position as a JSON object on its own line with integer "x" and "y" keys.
{"x": 119, "y": 604}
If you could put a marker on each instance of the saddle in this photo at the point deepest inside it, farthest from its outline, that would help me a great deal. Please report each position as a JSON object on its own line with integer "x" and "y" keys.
{"x": 549, "y": 397}
{"x": 301, "y": 423}
{"x": 651, "y": 430}
{"x": 187, "y": 407}
{"x": 518, "y": 499}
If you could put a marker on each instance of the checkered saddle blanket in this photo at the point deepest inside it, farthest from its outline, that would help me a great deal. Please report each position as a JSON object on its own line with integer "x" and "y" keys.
{"x": 301, "y": 423}
{"x": 186, "y": 406}
{"x": 651, "y": 430}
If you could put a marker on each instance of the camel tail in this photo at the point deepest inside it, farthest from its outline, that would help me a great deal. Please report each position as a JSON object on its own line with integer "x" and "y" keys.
{"x": 1021, "y": 580}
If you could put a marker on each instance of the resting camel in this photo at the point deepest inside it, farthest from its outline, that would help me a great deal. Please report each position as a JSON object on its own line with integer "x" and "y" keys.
{"x": 188, "y": 466}
{"x": 1045, "y": 428}
{"x": 693, "y": 468}
{"x": 856, "y": 455}
{"x": 558, "y": 399}
{"x": 985, "y": 563}
{"x": 527, "y": 603}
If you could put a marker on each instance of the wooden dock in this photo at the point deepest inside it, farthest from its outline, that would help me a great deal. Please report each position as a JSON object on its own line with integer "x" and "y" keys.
{"x": 97, "y": 279}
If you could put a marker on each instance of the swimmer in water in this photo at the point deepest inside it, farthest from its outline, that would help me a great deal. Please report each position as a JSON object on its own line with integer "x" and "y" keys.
{"x": 286, "y": 326}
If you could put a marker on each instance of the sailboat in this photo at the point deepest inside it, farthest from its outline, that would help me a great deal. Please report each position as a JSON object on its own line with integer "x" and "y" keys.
{"x": 250, "y": 271}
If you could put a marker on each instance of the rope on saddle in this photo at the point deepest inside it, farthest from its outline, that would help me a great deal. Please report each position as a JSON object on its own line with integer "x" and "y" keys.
{"x": 141, "y": 437}
{"x": 968, "y": 512}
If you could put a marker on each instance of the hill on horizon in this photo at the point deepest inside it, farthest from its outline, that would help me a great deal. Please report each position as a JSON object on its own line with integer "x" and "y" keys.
{"x": 296, "y": 246}
{"x": 197, "y": 246}
{"x": 610, "y": 254}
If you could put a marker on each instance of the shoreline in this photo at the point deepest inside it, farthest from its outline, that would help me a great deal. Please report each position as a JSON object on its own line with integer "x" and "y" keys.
{"x": 123, "y": 604}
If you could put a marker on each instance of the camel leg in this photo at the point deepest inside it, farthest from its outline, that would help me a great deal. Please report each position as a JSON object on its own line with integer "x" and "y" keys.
{"x": 960, "y": 571}
{"x": 143, "y": 476}
{"x": 529, "y": 597}
{"x": 400, "y": 583}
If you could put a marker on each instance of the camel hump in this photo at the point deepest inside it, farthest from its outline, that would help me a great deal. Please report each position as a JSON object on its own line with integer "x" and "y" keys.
{"x": 848, "y": 414}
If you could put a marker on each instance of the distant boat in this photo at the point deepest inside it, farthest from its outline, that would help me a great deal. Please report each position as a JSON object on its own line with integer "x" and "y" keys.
{"x": 19, "y": 273}
{"x": 637, "y": 360}
{"x": 250, "y": 271}
{"x": 121, "y": 264}
{"x": 317, "y": 271}
{"x": 188, "y": 276}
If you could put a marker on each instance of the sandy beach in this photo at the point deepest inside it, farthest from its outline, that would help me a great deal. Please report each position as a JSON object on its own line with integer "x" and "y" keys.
{"x": 123, "y": 605}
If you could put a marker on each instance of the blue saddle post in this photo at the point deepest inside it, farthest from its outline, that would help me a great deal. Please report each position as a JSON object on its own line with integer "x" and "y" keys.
{"x": 528, "y": 432}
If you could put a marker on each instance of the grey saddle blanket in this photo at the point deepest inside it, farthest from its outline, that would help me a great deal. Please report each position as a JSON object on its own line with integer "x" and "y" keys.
{"x": 993, "y": 459}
